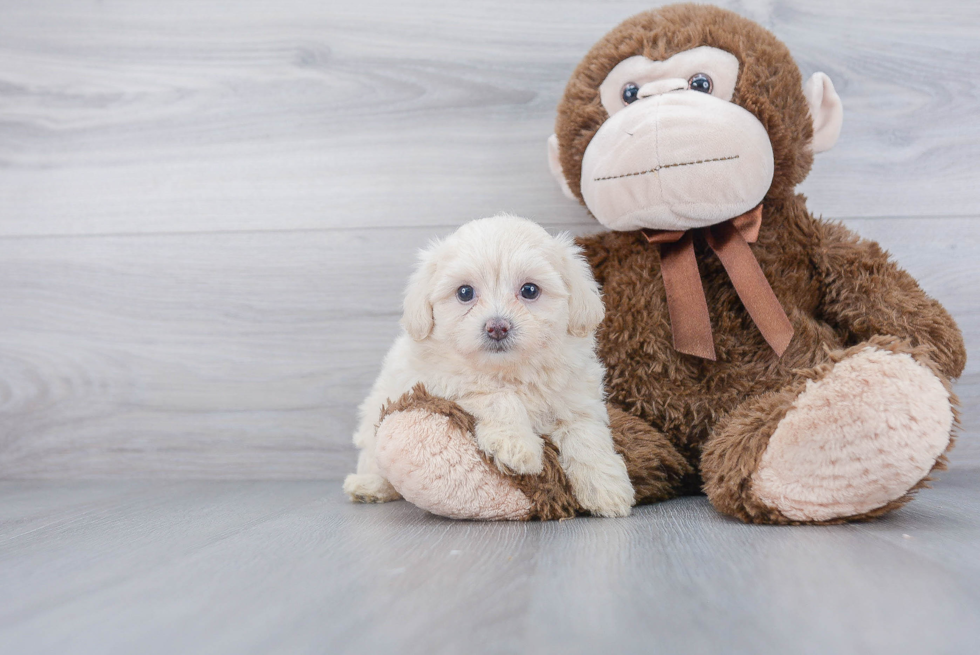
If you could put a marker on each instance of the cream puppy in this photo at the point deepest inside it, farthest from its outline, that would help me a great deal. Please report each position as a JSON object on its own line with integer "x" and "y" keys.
{"x": 500, "y": 318}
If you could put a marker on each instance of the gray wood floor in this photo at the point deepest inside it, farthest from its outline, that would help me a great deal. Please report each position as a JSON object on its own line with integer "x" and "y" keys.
{"x": 291, "y": 567}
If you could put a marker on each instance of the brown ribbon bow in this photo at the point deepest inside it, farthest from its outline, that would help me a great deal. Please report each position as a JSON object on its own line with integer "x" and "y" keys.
{"x": 688, "y": 309}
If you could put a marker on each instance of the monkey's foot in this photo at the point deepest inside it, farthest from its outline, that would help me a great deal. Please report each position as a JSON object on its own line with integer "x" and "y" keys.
{"x": 857, "y": 440}
{"x": 849, "y": 440}
{"x": 427, "y": 449}
{"x": 433, "y": 461}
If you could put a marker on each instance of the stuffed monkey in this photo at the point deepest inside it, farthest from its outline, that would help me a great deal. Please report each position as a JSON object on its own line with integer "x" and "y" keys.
{"x": 776, "y": 362}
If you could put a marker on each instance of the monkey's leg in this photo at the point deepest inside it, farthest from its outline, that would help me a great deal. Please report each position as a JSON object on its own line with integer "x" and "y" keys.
{"x": 848, "y": 440}
{"x": 426, "y": 449}
{"x": 658, "y": 472}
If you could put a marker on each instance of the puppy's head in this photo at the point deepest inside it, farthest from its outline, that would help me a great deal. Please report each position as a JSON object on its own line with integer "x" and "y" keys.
{"x": 502, "y": 289}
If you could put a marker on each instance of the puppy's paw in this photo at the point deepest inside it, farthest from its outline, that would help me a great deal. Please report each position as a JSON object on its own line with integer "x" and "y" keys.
{"x": 369, "y": 488}
{"x": 607, "y": 493}
{"x": 513, "y": 450}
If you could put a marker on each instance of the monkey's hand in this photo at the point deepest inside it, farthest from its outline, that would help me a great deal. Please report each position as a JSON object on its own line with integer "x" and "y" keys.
{"x": 869, "y": 296}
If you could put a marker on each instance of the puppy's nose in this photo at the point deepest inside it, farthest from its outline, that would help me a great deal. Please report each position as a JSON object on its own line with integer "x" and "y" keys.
{"x": 498, "y": 328}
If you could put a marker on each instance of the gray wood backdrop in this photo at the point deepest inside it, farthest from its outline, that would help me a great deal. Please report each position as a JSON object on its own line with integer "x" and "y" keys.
{"x": 208, "y": 209}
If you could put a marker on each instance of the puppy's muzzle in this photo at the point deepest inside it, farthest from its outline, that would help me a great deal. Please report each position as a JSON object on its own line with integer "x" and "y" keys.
{"x": 498, "y": 329}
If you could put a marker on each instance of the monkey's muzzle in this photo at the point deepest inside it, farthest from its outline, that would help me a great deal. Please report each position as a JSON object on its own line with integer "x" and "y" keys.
{"x": 676, "y": 161}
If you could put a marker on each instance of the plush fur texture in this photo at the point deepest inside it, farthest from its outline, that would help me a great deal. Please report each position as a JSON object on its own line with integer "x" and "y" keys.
{"x": 683, "y": 422}
{"x": 769, "y": 85}
{"x": 732, "y": 458}
{"x": 655, "y": 163}
{"x": 439, "y": 467}
{"x": 838, "y": 290}
{"x": 539, "y": 376}
{"x": 857, "y": 439}
{"x": 426, "y": 446}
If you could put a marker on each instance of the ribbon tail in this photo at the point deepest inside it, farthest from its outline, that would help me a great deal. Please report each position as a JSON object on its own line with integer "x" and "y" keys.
{"x": 686, "y": 304}
{"x": 751, "y": 285}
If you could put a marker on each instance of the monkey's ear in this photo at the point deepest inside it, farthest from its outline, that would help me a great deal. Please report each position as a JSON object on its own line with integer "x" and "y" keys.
{"x": 417, "y": 318}
{"x": 826, "y": 111}
{"x": 585, "y": 308}
{"x": 554, "y": 163}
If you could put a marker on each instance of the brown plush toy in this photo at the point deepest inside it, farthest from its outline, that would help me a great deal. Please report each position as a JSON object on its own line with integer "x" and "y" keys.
{"x": 774, "y": 361}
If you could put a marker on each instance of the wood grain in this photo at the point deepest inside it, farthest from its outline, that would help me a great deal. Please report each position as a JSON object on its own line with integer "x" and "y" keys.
{"x": 235, "y": 355}
{"x": 208, "y": 210}
{"x": 260, "y": 567}
{"x": 205, "y": 116}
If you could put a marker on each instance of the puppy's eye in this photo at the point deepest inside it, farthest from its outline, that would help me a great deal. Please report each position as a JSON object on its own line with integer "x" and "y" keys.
{"x": 631, "y": 92}
{"x": 700, "y": 82}
{"x": 464, "y": 293}
{"x": 530, "y": 291}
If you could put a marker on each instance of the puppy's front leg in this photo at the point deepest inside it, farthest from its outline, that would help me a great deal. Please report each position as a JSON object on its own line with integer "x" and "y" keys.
{"x": 596, "y": 472}
{"x": 504, "y": 431}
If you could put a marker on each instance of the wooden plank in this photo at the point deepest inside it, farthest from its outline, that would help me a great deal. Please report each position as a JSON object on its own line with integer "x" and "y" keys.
{"x": 209, "y": 567}
{"x": 244, "y": 116}
{"x": 934, "y": 529}
{"x": 244, "y": 355}
{"x": 193, "y": 354}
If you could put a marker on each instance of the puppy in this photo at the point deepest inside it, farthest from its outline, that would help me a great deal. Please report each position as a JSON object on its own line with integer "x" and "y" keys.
{"x": 500, "y": 318}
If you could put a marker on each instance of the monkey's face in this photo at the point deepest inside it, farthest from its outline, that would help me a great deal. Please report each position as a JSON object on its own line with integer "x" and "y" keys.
{"x": 675, "y": 152}
{"x": 685, "y": 117}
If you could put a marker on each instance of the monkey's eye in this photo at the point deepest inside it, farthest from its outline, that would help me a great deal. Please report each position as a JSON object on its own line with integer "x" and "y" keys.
{"x": 464, "y": 293}
{"x": 530, "y": 291}
{"x": 631, "y": 93}
{"x": 700, "y": 82}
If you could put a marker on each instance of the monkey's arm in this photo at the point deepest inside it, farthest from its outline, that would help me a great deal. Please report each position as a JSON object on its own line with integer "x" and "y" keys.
{"x": 867, "y": 294}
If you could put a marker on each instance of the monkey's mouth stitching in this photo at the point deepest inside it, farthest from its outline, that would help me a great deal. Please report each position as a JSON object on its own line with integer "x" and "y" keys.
{"x": 660, "y": 168}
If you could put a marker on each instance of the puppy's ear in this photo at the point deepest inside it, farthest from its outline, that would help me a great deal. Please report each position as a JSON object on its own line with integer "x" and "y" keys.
{"x": 417, "y": 318}
{"x": 585, "y": 308}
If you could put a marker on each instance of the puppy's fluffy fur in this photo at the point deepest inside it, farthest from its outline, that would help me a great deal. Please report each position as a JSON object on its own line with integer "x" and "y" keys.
{"x": 543, "y": 378}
